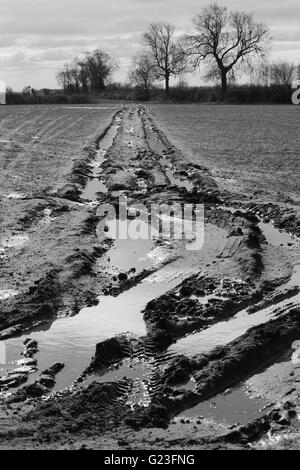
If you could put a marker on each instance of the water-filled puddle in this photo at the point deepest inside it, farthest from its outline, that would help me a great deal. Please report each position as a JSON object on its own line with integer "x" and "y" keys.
{"x": 277, "y": 237}
{"x": 173, "y": 179}
{"x": 273, "y": 235}
{"x": 236, "y": 406}
{"x": 176, "y": 181}
{"x": 158, "y": 147}
{"x": 6, "y": 294}
{"x": 207, "y": 298}
{"x": 89, "y": 107}
{"x": 95, "y": 185}
{"x": 46, "y": 219}
{"x": 16, "y": 196}
{"x": 153, "y": 248}
{"x": 296, "y": 353}
{"x": 14, "y": 241}
{"x": 139, "y": 371}
{"x": 221, "y": 333}
{"x": 72, "y": 340}
{"x": 224, "y": 332}
{"x": 128, "y": 255}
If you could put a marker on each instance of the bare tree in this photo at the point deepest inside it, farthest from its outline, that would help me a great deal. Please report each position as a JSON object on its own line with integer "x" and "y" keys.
{"x": 83, "y": 74}
{"x": 166, "y": 54}
{"x": 282, "y": 73}
{"x": 100, "y": 67}
{"x": 75, "y": 76}
{"x": 27, "y": 90}
{"x": 260, "y": 73}
{"x": 142, "y": 73}
{"x": 64, "y": 78}
{"x": 226, "y": 40}
{"x": 68, "y": 78}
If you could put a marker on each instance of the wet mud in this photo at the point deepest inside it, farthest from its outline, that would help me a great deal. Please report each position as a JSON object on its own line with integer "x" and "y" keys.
{"x": 143, "y": 334}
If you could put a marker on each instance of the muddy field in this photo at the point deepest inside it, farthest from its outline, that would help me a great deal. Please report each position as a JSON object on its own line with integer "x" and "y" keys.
{"x": 115, "y": 342}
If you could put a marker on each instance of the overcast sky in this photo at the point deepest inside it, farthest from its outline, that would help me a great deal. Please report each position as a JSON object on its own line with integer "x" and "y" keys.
{"x": 38, "y": 36}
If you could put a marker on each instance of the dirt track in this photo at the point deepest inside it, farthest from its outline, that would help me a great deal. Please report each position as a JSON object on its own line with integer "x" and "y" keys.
{"x": 142, "y": 381}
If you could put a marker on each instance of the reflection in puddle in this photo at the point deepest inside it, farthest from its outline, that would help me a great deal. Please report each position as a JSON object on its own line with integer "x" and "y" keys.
{"x": 87, "y": 107}
{"x": 276, "y": 237}
{"x": 47, "y": 218}
{"x": 72, "y": 340}
{"x": 93, "y": 187}
{"x": 96, "y": 185}
{"x": 131, "y": 255}
{"x": 296, "y": 353}
{"x": 173, "y": 179}
{"x": 16, "y": 196}
{"x": 207, "y": 298}
{"x": 14, "y": 241}
{"x": 126, "y": 255}
{"x": 140, "y": 371}
{"x": 224, "y": 332}
{"x": 221, "y": 333}
{"x": 273, "y": 235}
{"x": 6, "y": 294}
{"x": 236, "y": 406}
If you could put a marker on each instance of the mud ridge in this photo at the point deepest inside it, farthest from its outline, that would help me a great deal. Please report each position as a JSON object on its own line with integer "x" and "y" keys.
{"x": 220, "y": 369}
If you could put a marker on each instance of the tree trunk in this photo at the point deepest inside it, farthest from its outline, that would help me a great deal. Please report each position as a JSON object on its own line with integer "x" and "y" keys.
{"x": 85, "y": 88}
{"x": 167, "y": 88}
{"x": 101, "y": 84}
{"x": 224, "y": 84}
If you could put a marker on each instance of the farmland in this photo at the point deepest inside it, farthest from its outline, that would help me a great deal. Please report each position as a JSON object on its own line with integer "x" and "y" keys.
{"x": 39, "y": 149}
{"x": 39, "y": 144}
{"x": 250, "y": 150}
{"x": 131, "y": 342}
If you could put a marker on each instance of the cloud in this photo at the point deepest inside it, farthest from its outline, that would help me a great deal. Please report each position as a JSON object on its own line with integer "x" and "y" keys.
{"x": 38, "y": 36}
{"x": 59, "y": 42}
{"x": 7, "y": 41}
{"x": 286, "y": 34}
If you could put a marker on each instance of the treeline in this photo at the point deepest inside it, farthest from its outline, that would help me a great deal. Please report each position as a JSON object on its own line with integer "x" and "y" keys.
{"x": 44, "y": 97}
{"x": 236, "y": 94}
